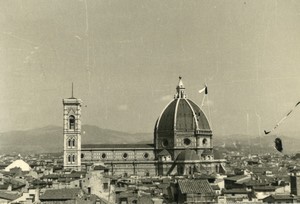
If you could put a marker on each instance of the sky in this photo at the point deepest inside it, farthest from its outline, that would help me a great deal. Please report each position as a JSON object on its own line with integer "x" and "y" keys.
{"x": 125, "y": 57}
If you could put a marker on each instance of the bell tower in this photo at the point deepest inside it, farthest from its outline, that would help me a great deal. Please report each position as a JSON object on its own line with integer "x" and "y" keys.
{"x": 72, "y": 132}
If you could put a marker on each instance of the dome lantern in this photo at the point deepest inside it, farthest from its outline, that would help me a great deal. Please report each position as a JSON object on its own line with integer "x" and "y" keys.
{"x": 180, "y": 89}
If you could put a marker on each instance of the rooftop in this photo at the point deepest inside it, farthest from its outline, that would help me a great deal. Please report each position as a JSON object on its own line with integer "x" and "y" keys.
{"x": 61, "y": 194}
{"x": 195, "y": 186}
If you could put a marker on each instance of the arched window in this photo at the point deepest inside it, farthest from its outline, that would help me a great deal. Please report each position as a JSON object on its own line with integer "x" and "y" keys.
{"x": 69, "y": 143}
{"x": 204, "y": 142}
{"x": 73, "y": 158}
{"x": 73, "y": 142}
{"x": 69, "y": 158}
{"x": 71, "y": 122}
{"x": 190, "y": 170}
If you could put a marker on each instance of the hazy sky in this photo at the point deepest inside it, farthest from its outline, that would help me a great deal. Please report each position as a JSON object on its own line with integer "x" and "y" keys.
{"x": 125, "y": 57}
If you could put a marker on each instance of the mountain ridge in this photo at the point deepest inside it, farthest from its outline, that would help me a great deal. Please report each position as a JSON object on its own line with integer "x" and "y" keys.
{"x": 50, "y": 139}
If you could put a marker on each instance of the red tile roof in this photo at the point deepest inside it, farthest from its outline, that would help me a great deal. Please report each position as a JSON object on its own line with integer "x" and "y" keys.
{"x": 9, "y": 196}
{"x": 187, "y": 154}
{"x": 238, "y": 178}
{"x": 164, "y": 152}
{"x": 195, "y": 186}
{"x": 236, "y": 191}
{"x": 61, "y": 194}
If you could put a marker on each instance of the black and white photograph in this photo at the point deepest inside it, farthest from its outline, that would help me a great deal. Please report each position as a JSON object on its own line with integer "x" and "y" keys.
{"x": 149, "y": 102}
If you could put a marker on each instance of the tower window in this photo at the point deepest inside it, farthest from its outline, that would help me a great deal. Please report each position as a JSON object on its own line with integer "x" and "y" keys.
{"x": 69, "y": 158}
{"x": 73, "y": 142}
{"x": 69, "y": 143}
{"x": 204, "y": 142}
{"x": 73, "y": 158}
{"x": 72, "y": 122}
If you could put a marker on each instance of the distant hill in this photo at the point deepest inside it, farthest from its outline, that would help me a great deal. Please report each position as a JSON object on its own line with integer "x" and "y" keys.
{"x": 262, "y": 143}
{"x": 50, "y": 139}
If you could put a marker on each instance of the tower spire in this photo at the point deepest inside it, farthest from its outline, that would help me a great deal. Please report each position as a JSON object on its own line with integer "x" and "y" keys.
{"x": 72, "y": 90}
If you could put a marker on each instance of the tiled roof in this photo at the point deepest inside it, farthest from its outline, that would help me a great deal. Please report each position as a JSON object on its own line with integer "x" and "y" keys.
{"x": 187, "y": 155}
{"x": 215, "y": 187}
{"x": 195, "y": 186}
{"x": 184, "y": 115}
{"x": 206, "y": 176}
{"x": 3, "y": 186}
{"x": 50, "y": 176}
{"x": 74, "y": 175}
{"x": 236, "y": 191}
{"x": 145, "y": 200}
{"x": 207, "y": 152}
{"x": 163, "y": 152}
{"x": 237, "y": 178}
{"x": 117, "y": 146}
{"x": 283, "y": 197}
{"x": 61, "y": 194}
{"x": 8, "y": 196}
{"x": 264, "y": 188}
{"x": 100, "y": 167}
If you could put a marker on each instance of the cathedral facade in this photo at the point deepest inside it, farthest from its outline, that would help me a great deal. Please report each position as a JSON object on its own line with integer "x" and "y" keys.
{"x": 182, "y": 143}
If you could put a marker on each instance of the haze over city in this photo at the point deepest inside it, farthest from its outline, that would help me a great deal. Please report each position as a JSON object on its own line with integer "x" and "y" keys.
{"x": 124, "y": 58}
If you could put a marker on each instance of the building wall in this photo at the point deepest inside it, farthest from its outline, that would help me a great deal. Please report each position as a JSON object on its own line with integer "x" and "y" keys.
{"x": 129, "y": 168}
{"x": 3, "y": 201}
{"x": 96, "y": 183}
{"x": 117, "y": 155}
{"x": 124, "y": 161}
{"x": 295, "y": 185}
{"x": 195, "y": 198}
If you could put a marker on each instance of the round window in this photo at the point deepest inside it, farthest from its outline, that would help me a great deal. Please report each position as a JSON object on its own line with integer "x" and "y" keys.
{"x": 146, "y": 155}
{"x": 165, "y": 143}
{"x": 187, "y": 141}
{"x": 204, "y": 141}
{"x": 103, "y": 156}
{"x": 125, "y": 155}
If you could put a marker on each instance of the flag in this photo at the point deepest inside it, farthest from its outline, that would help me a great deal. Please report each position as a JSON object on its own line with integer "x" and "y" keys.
{"x": 205, "y": 90}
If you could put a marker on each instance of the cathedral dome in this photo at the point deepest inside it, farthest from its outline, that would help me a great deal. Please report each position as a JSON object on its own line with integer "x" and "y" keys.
{"x": 182, "y": 115}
